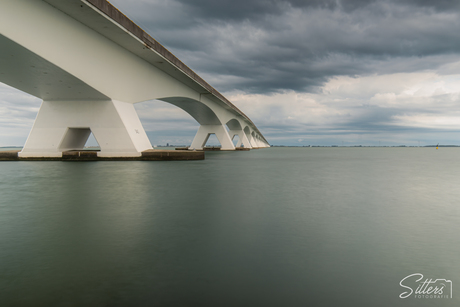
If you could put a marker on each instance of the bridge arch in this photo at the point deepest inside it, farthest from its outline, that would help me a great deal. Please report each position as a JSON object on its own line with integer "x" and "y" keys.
{"x": 250, "y": 134}
{"x": 255, "y": 139}
{"x": 234, "y": 124}
{"x": 235, "y": 128}
{"x": 106, "y": 66}
{"x": 210, "y": 122}
{"x": 203, "y": 114}
{"x": 247, "y": 131}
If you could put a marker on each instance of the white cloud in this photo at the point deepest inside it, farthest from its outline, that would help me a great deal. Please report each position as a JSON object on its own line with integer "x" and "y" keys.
{"x": 364, "y": 105}
{"x": 442, "y": 122}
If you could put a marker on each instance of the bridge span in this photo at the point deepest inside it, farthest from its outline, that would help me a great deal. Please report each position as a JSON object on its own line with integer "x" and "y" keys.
{"x": 89, "y": 64}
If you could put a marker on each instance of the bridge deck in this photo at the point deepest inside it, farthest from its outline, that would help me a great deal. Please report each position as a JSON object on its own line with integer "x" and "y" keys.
{"x": 123, "y": 31}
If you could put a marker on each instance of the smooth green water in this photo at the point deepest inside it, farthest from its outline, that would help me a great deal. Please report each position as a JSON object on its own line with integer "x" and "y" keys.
{"x": 269, "y": 227}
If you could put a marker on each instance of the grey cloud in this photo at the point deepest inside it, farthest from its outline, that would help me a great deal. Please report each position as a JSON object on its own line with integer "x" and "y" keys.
{"x": 365, "y": 120}
{"x": 238, "y": 10}
{"x": 269, "y": 46}
{"x": 440, "y": 5}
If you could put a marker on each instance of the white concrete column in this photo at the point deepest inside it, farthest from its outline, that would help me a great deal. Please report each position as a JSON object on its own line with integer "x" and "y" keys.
{"x": 242, "y": 138}
{"x": 232, "y": 135}
{"x": 66, "y": 125}
{"x": 239, "y": 143}
{"x": 259, "y": 142}
{"x": 253, "y": 142}
{"x": 205, "y": 131}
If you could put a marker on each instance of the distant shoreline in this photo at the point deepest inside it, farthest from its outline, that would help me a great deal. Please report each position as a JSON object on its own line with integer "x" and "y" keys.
{"x": 303, "y": 146}
{"x": 353, "y": 146}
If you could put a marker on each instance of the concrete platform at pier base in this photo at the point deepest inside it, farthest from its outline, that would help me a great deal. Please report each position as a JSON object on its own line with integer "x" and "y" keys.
{"x": 87, "y": 155}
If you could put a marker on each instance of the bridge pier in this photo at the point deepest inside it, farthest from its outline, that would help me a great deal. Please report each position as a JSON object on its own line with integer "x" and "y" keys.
{"x": 205, "y": 131}
{"x": 66, "y": 125}
{"x": 253, "y": 141}
{"x": 243, "y": 139}
{"x": 89, "y": 64}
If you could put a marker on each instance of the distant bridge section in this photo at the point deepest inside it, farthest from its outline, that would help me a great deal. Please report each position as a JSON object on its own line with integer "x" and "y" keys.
{"x": 90, "y": 64}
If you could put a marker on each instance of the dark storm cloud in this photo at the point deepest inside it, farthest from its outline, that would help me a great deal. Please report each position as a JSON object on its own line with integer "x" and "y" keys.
{"x": 244, "y": 9}
{"x": 440, "y": 5}
{"x": 260, "y": 46}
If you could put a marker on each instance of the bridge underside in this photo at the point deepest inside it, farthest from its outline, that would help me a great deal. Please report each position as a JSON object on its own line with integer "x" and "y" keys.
{"x": 89, "y": 70}
{"x": 31, "y": 73}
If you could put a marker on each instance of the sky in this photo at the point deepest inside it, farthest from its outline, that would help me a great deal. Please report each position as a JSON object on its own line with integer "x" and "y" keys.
{"x": 307, "y": 72}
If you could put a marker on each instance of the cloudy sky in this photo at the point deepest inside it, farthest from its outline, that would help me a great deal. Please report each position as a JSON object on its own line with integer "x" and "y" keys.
{"x": 307, "y": 72}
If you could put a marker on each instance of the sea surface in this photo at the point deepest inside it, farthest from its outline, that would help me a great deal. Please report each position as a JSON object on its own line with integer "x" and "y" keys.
{"x": 268, "y": 227}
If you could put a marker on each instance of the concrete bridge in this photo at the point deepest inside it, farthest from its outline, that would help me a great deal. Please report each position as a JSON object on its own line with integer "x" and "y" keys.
{"x": 89, "y": 64}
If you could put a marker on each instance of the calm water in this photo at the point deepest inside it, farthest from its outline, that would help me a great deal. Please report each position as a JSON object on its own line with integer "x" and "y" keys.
{"x": 269, "y": 227}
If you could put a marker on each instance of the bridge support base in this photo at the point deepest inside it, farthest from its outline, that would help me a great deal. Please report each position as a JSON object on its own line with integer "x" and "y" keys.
{"x": 205, "y": 131}
{"x": 66, "y": 125}
{"x": 242, "y": 138}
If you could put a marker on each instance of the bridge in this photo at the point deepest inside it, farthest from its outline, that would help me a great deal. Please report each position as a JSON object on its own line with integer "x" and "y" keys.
{"x": 90, "y": 64}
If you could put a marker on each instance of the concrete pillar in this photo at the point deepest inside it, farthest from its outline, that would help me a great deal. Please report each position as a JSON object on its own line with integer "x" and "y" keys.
{"x": 205, "y": 131}
{"x": 66, "y": 125}
{"x": 239, "y": 143}
{"x": 253, "y": 141}
{"x": 242, "y": 138}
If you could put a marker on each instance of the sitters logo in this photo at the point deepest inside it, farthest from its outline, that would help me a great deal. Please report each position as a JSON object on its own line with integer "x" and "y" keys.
{"x": 419, "y": 287}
